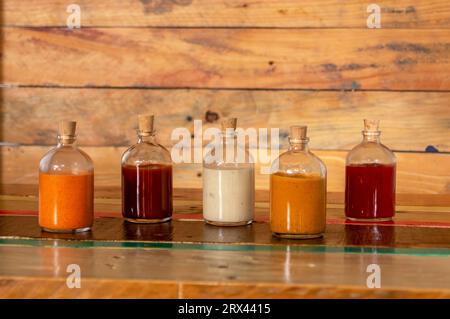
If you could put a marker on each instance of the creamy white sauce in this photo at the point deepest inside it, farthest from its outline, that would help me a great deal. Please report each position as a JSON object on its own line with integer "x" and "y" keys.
{"x": 228, "y": 194}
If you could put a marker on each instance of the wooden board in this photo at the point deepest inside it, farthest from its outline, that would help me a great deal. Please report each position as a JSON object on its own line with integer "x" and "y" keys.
{"x": 109, "y": 195}
{"x": 228, "y": 58}
{"x": 224, "y": 274}
{"x": 22, "y": 287}
{"x": 119, "y": 259}
{"x": 422, "y": 173}
{"x": 230, "y": 13}
{"x": 410, "y": 121}
{"x": 117, "y": 233}
{"x": 411, "y": 208}
{"x": 19, "y": 287}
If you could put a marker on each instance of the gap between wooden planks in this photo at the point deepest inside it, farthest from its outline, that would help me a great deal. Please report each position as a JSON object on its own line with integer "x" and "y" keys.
{"x": 230, "y": 13}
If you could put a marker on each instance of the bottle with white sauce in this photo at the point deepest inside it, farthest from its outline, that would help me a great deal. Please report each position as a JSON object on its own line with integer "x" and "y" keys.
{"x": 228, "y": 181}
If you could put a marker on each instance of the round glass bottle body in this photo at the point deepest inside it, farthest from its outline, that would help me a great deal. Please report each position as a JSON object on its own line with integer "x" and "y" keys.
{"x": 147, "y": 182}
{"x": 370, "y": 177}
{"x": 66, "y": 189}
{"x": 228, "y": 184}
{"x": 298, "y": 194}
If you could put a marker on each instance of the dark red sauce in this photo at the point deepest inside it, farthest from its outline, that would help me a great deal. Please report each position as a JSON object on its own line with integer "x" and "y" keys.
{"x": 147, "y": 191}
{"x": 370, "y": 191}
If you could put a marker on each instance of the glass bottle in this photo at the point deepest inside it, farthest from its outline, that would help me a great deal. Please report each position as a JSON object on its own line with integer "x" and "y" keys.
{"x": 298, "y": 190}
{"x": 228, "y": 181}
{"x": 66, "y": 185}
{"x": 370, "y": 178}
{"x": 146, "y": 178}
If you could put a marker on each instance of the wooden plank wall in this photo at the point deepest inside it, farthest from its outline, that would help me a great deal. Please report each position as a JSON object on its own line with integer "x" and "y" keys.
{"x": 271, "y": 63}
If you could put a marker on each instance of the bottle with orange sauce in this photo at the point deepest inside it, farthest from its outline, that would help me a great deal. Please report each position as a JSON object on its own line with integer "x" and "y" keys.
{"x": 298, "y": 190}
{"x": 66, "y": 185}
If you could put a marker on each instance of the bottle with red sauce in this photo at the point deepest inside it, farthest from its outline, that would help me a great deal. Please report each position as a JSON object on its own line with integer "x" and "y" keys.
{"x": 146, "y": 178}
{"x": 370, "y": 178}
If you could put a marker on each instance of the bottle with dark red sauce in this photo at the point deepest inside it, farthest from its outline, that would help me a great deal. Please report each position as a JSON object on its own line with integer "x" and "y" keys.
{"x": 370, "y": 178}
{"x": 146, "y": 178}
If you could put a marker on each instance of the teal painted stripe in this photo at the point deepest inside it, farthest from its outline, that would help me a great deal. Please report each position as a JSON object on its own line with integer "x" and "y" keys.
{"x": 223, "y": 247}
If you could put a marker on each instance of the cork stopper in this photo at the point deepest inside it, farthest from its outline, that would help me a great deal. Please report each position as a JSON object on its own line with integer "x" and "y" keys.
{"x": 298, "y": 133}
{"x": 229, "y": 123}
{"x": 146, "y": 123}
{"x": 67, "y": 129}
{"x": 371, "y": 125}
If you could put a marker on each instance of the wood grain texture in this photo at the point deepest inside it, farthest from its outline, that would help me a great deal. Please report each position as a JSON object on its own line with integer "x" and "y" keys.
{"x": 108, "y": 198}
{"x": 289, "y": 291}
{"x": 119, "y": 234}
{"x": 421, "y": 173}
{"x": 170, "y": 271}
{"x": 325, "y": 272}
{"x": 19, "y": 287}
{"x": 410, "y": 207}
{"x": 39, "y": 288}
{"x": 410, "y": 121}
{"x": 230, "y": 13}
{"x": 228, "y": 58}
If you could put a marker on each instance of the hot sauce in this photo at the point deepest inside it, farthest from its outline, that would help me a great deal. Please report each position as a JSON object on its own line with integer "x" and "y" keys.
{"x": 370, "y": 178}
{"x": 370, "y": 191}
{"x": 147, "y": 192}
{"x": 66, "y": 202}
{"x": 297, "y": 204}
{"x": 146, "y": 178}
{"x": 298, "y": 190}
{"x": 66, "y": 185}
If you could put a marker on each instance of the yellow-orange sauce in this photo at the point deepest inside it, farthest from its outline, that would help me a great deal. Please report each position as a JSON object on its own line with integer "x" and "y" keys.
{"x": 66, "y": 202}
{"x": 297, "y": 205}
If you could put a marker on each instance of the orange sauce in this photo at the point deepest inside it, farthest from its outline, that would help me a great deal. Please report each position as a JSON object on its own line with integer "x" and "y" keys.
{"x": 66, "y": 202}
{"x": 297, "y": 205}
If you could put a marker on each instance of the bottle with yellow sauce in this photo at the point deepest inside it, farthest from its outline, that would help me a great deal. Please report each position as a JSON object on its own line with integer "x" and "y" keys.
{"x": 298, "y": 190}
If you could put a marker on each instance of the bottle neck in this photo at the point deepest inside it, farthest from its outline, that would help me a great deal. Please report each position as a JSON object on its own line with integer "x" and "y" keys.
{"x": 299, "y": 145}
{"x": 233, "y": 150}
{"x": 67, "y": 141}
{"x": 146, "y": 138}
{"x": 228, "y": 137}
{"x": 371, "y": 137}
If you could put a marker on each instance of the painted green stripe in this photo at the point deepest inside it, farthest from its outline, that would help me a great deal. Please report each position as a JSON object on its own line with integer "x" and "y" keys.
{"x": 223, "y": 247}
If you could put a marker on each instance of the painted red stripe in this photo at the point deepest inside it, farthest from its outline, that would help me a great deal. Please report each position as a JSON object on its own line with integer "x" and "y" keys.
{"x": 330, "y": 221}
{"x": 402, "y": 223}
{"x": 18, "y": 212}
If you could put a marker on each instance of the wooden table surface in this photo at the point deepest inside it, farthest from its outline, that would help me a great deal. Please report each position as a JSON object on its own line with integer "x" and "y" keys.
{"x": 189, "y": 259}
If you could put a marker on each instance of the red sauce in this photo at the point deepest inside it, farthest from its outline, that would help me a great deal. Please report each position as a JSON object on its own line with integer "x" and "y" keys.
{"x": 147, "y": 192}
{"x": 370, "y": 191}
